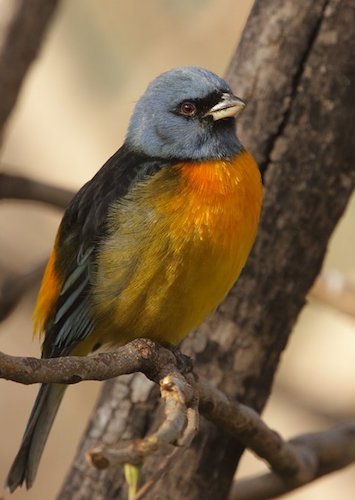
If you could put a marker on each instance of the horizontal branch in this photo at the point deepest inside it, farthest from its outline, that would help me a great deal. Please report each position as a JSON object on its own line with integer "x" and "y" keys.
{"x": 16, "y": 187}
{"x": 295, "y": 462}
{"x": 141, "y": 355}
{"x": 322, "y": 452}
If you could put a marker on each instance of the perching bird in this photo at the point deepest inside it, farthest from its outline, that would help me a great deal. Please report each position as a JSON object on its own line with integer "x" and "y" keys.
{"x": 153, "y": 243}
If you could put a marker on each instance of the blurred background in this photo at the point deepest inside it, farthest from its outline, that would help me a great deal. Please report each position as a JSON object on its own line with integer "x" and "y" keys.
{"x": 71, "y": 116}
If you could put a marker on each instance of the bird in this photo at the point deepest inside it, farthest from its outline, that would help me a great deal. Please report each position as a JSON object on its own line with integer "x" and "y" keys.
{"x": 153, "y": 242}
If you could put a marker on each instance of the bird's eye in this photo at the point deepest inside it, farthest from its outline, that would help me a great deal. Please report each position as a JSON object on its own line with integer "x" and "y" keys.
{"x": 188, "y": 108}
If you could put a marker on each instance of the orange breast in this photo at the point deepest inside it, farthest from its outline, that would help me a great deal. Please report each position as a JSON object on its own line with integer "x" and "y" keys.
{"x": 224, "y": 199}
{"x": 178, "y": 243}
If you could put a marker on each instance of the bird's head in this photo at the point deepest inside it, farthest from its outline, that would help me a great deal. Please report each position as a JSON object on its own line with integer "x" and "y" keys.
{"x": 186, "y": 113}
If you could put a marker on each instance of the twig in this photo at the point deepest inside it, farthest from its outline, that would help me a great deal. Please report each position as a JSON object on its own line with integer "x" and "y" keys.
{"x": 23, "y": 188}
{"x": 185, "y": 441}
{"x": 323, "y": 452}
{"x": 160, "y": 471}
{"x": 176, "y": 394}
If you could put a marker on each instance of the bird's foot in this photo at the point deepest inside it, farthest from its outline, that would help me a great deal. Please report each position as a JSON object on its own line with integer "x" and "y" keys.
{"x": 184, "y": 362}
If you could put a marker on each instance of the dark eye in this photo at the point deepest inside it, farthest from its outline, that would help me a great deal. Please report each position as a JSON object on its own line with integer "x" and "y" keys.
{"x": 188, "y": 108}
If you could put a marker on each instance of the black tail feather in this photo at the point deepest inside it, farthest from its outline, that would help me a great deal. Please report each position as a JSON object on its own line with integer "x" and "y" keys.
{"x": 25, "y": 465}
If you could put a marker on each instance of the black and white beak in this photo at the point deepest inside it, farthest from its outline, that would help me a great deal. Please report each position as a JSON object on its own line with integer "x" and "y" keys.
{"x": 229, "y": 106}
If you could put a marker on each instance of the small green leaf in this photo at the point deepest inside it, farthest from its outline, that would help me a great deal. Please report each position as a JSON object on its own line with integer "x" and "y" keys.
{"x": 132, "y": 473}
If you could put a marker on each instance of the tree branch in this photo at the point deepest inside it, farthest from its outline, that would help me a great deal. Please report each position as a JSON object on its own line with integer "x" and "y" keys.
{"x": 138, "y": 356}
{"x": 295, "y": 462}
{"x": 177, "y": 395}
{"x": 23, "y": 188}
{"x": 322, "y": 453}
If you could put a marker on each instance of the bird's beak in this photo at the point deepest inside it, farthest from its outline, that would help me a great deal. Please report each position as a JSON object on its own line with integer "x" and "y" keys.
{"x": 229, "y": 106}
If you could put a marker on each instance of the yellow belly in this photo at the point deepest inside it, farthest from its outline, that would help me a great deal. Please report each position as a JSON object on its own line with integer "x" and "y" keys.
{"x": 177, "y": 244}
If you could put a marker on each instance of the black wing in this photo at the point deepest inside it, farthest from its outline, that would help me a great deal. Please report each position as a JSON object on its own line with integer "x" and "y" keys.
{"x": 82, "y": 229}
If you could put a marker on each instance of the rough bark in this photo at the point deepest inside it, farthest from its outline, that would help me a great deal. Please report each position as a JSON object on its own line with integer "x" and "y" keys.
{"x": 296, "y": 62}
{"x": 22, "y": 27}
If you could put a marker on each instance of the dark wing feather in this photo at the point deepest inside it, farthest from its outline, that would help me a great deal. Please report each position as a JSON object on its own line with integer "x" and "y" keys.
{"x": 81, "y": 231}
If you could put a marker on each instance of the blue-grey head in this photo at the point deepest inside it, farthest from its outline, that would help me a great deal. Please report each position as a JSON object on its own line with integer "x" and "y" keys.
{"x": 186, "y": 113}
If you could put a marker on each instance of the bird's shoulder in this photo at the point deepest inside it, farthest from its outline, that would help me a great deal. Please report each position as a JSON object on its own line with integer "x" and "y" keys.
{"x": 85, "y": 218}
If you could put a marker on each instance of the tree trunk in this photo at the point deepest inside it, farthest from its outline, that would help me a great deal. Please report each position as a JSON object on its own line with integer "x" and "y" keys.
{"x": 296, "y": 64}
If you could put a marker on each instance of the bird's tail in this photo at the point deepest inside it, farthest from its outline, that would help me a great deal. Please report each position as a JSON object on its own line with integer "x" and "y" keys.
{"x": 25, "y": 465}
